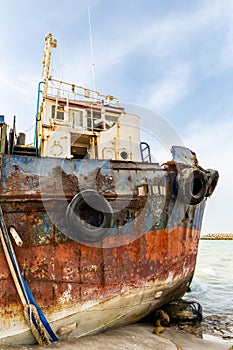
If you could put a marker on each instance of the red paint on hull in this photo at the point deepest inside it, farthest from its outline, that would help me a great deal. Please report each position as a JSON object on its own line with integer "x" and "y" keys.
{"x": 97, "y": 273}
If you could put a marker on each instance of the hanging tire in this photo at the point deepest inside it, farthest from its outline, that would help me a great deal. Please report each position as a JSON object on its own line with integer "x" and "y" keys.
{"x": 212, "y": 176}
{"x": 191, "y": 186}
{"x": 89, "y": 217}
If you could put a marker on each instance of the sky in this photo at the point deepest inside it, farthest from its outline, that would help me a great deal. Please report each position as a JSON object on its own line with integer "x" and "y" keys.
{"x": 172, "y": 57}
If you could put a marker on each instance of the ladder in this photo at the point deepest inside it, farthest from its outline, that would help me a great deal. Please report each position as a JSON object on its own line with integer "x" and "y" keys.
{"x": 145, "y": 152}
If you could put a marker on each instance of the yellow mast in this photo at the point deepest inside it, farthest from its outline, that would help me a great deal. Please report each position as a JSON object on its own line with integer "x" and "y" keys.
{"x": 49, "y": 42}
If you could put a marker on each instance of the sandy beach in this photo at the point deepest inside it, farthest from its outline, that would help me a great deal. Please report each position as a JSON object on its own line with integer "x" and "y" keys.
{"x": 140, "y": 337}
{"x": 187, "y": 341}
{"x": 135, "y": 337}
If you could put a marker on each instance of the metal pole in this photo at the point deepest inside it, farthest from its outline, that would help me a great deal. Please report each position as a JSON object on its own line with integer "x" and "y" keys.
{"x": 92, "y": 54}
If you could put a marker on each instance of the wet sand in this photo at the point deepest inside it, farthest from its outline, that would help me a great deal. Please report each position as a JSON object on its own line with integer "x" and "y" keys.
{"x": 135, "y": 337}
{"x": 188, "y": 341}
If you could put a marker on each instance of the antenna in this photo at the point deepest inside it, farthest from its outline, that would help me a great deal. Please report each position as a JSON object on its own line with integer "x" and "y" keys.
{"x": 61, "y": 65}
{"x": 92, "y": 55}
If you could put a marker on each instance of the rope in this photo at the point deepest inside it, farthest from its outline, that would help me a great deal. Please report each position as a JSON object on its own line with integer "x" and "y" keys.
{"x": 34, "y": 316}
{"x": 33, "y": 319}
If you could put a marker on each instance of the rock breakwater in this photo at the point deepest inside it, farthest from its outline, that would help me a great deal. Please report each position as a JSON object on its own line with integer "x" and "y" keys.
{"x": 218, "y": 236}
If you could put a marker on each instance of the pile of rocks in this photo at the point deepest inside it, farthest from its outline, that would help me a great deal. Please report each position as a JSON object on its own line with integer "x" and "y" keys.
{"x": 218, "y": 236}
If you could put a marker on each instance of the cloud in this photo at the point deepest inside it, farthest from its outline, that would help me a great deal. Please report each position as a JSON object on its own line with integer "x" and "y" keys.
{"x": 166, "y": 35}
{"x": 213, "y": 143}
{"x": 21, "y": 86}
{"x": 18, "y": 97}
{"x": 178, "y": 43}
{"x": 171, "y": 89}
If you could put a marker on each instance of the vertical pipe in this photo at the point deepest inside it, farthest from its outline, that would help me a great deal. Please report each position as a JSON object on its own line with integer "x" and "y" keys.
{"x": 37, "y": 117}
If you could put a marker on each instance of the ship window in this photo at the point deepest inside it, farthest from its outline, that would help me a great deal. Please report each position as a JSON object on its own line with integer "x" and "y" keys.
{"x": 110, "y": 120}
{"x": 76, "y": 117}
{"x": 142, "y": 190}
{"x": 60, "y": 112}
{"x": 94, "y": 120}
{"x": 100, "y": 120}
{"x": 155, "y": 189}
{"x": 124, "y": 155}
{"x": 163, "y": 190}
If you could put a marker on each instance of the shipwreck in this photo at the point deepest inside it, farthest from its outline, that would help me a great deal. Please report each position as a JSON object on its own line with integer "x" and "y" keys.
{"x": 94, "y": 234}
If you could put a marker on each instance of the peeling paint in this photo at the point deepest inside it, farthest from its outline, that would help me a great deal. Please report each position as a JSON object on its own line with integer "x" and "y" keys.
{"x": 67, "y": 277}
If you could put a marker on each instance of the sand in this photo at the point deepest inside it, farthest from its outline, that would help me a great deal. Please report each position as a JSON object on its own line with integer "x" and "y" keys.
{"x": 188, "y": 341}
{"x": 136, "y": 337}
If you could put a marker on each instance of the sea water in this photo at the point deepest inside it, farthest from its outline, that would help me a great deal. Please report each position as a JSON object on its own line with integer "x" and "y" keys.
{"x": 212, "y": 284}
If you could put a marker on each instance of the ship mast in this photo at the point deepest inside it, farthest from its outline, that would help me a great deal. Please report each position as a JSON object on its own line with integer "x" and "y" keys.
{"x": 49, "y": 43}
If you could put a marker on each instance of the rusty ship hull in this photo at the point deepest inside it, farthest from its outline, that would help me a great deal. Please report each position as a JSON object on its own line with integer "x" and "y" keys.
{"x": 94, "y": 233}
{"x": 146, "y": 260}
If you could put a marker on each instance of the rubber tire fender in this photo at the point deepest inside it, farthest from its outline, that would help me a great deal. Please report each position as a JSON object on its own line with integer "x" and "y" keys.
{"x": 212, "y": 176}
{"x": 80, "y": 230}
{"x": 191, "y": 185}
